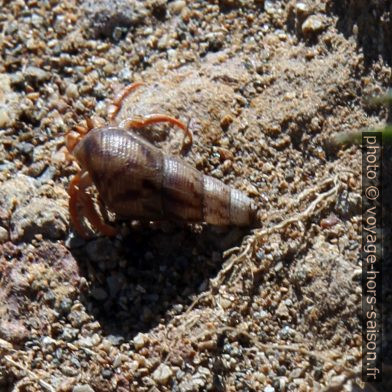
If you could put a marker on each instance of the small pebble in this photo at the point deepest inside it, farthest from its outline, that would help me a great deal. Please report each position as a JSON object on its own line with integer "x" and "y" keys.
{"x": 226, "y": 121}
{"x": 313, "y": 24}
{"x": 82, "y": 388}
{"x": 140, "y": 340}
{"x": 285, "y": 332}
{"x": 115, "y": 340}
{"x": 72, "y": 91}
{"x": 36, "y": 74}
{"x": 86, "y": 341}
{"x": 270, "y": 7}
{"x": 260, "y": 377}
{"x": 282, "y": 310}
{"x": 3, "y": 235}
{"x": 162, "y": 374}
{"x": 107, "y": 373}
{"x": 278, "y": 266}
{"x": 118, "y": 360}
{"x": 69, "y": 334}
{"x": 68, "y": 371}
{"x": 5, "y": 120}
{"x": 177, "y": 6}
{"x": 302, "y": 8}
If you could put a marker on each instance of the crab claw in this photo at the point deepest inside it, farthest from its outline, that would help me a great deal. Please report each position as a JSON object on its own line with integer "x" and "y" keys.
{"x": 72, "y": 138}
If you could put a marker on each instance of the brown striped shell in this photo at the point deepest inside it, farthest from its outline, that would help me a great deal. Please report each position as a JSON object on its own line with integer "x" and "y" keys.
{"x": 136, "y": 180}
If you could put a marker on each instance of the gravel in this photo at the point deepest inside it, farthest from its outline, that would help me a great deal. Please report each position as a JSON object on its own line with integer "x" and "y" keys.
{"x": 264, "y": 86}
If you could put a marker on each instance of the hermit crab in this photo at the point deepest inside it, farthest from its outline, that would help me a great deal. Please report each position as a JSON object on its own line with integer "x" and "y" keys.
{"x": 137, "y": 181}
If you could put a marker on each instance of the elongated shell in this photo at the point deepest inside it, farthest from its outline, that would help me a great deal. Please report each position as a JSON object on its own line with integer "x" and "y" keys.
{"x": 136, "y": 180}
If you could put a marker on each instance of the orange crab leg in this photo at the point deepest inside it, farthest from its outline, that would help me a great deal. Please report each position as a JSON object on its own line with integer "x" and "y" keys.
{"x": 73, "y": 191}
{"x": 73, "y": 137}
{"x": 95, "y": 220}
{"x": 115, "y": 107}
{"x": 90, "y": 211}
{"x": 159, "y": 118}
{"x": 77, "y": 192}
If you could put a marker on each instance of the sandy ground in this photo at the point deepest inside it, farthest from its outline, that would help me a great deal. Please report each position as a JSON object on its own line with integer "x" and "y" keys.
{"x": 264, "y": 86}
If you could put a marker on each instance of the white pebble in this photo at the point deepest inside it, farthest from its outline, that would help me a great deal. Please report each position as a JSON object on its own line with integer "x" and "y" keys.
{"x": 140, "y": 340}
{"x": 313, "y": 24}
{"x": 162, "y": 374}
{"x": 3, "y": 235}
{"x": 5, "y": 120}
{"x": 177, "y": 6}
{"x": 72, "y": 91}
{"x": 82, "y": 388}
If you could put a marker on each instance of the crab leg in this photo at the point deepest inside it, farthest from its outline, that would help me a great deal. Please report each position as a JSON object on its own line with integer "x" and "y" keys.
{"x": 73, "y": 192}
{"x": 77, "y": 192}
{"x": 115, "y": 107}
{"x": 160, "y": 118}
{"x": 90, "y": 210}
{"x": 74, "y": 136}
